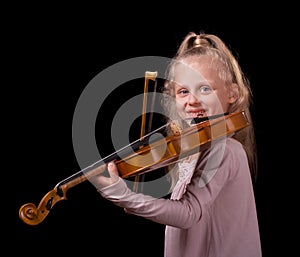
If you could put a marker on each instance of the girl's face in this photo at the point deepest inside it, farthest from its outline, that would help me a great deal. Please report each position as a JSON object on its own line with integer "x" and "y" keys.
{"x": 199, "y": 90}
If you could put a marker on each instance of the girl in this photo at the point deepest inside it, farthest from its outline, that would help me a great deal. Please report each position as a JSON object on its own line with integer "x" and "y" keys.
{"x": 211, "y": 211}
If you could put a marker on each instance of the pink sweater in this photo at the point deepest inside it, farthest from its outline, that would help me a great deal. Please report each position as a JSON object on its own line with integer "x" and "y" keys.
{"x": 212, "y": 211}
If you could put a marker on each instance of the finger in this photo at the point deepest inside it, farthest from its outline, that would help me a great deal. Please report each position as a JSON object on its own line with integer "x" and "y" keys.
{"x": 103, "y": 180}
{"x": 112, "y": 169}
{"x": 100, "y": 181}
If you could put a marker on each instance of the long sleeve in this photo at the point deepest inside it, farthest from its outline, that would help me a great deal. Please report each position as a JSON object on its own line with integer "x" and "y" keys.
{"x": 212, "y": 209}
{"x": 158, "y": 210}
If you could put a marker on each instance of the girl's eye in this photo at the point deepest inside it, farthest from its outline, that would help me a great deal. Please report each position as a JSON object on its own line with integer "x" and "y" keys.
{"x": 205, "y": 89}
{"x": 183, "y": 92}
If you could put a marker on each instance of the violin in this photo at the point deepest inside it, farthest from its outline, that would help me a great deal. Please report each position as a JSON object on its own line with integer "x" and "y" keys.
{"x": 143, "y": 156}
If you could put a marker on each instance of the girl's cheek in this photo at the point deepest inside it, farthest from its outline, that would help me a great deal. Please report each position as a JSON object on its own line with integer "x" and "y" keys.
{"x": 180, "y": 105}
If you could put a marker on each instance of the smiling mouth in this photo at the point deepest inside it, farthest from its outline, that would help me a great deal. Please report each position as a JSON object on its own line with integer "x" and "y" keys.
{"x": 196, "y": 114}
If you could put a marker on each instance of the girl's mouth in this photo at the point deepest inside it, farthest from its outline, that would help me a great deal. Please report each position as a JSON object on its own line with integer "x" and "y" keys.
{"x": 195, "y": 114}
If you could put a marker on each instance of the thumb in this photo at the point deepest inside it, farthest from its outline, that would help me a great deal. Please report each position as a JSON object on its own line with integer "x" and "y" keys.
{"x": 113, "y": 171}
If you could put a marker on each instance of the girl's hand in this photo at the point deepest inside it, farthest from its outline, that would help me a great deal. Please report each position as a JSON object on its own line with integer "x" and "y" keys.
{"x": 101, "y": 181}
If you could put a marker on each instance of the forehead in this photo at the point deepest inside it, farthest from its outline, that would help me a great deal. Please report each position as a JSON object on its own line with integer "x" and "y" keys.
{"x": 195, "y": 70}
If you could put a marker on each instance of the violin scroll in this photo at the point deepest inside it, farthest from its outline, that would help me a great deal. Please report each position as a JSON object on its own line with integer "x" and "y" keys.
{"x": 33, "y": 215}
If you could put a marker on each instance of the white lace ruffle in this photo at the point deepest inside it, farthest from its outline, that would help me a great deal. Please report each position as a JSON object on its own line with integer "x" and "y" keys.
{"x": 185, "y": 171}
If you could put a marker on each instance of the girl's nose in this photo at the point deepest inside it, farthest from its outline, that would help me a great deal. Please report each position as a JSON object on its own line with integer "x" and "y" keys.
{"x": 193, "y": 99}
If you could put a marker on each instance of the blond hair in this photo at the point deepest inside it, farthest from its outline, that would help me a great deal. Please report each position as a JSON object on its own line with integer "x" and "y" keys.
{"x": 229, "y": 71}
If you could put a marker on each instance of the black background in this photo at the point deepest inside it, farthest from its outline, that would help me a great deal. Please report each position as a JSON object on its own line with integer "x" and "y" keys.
{"x": 54, "y": 52}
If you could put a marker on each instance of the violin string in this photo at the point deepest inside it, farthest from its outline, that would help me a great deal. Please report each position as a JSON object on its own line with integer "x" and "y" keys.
{"x": 132, "y": 145}
{"x": 112, "y": 156}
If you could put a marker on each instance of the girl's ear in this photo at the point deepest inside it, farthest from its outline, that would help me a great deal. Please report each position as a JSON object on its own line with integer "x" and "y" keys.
{"x": 233, "y": 93}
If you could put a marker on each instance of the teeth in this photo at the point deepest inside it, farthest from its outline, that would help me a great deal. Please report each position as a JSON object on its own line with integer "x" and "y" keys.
{"x": 196, "y": 114}
{"x": 193, "y": 115}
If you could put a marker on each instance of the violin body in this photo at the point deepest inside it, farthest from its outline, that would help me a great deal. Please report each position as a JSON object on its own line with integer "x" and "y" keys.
{"x": 189, "y": 141}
